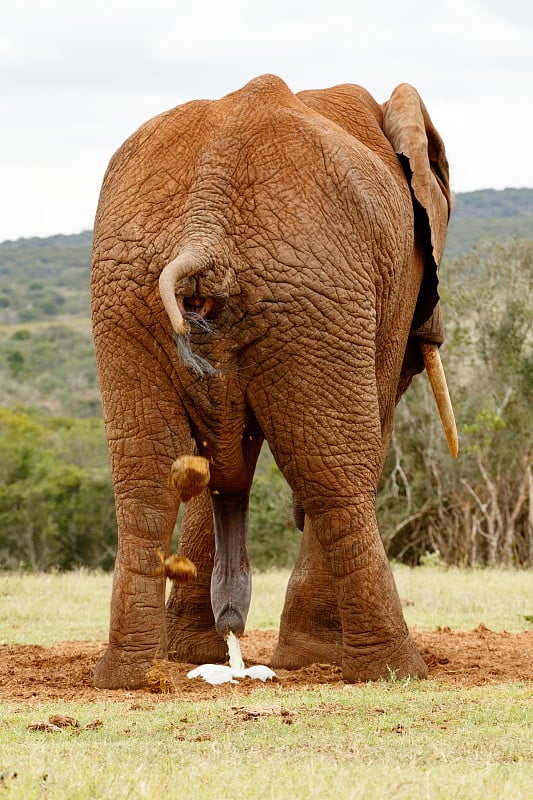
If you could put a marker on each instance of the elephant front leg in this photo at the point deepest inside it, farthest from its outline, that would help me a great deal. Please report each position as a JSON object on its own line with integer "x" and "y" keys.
{"x": 310, "y": 628}
{"x": 213, "y": 535}
{"x": 191, "y": 633}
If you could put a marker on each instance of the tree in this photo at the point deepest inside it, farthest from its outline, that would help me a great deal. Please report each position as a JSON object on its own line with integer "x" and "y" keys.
{"x": 56, "y": 500}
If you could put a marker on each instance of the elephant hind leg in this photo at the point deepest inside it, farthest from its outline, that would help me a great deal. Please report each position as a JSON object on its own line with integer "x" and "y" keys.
{"x": 376, "y": 641}
{"x": 136, "y": 635}
{"x": 191, "y": 634}
{"x": 342, "y": 606}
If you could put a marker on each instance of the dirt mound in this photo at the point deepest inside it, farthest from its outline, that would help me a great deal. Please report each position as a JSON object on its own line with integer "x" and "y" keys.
{"x": 65, "y": 671}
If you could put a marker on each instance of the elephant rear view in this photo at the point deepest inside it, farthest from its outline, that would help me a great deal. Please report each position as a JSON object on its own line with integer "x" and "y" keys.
{"x": 265, "y": 267}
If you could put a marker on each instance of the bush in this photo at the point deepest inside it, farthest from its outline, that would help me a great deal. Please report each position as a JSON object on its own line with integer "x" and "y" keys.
{"x": 56, "y": 498}
{"x": 479, "y": 509}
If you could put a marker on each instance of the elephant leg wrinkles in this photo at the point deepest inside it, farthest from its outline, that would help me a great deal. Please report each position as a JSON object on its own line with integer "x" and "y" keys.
{"x": 137, "y": 631}
{"x": 357, "y": 620}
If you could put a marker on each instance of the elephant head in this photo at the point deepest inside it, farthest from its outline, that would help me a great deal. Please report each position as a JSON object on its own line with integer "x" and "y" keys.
{"x": 263, "y": 267}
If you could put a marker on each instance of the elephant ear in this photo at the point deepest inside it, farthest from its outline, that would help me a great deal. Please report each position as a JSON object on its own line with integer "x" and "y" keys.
{"x": 408, "y": 127}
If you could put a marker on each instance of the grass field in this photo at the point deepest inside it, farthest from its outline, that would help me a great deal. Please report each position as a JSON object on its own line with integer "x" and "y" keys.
{"x": 47, "y": 608}
{"x": 395, "y": 739}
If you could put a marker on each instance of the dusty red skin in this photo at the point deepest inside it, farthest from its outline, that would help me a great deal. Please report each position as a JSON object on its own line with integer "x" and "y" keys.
{"x": 312, "y": 266}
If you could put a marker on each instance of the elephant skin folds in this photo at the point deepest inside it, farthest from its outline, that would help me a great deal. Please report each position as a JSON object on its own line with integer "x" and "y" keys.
{"x": 264, "y": 268}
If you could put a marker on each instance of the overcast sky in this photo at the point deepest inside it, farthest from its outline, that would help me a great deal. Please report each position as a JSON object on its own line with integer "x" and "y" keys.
{"x": 76, "y": 78}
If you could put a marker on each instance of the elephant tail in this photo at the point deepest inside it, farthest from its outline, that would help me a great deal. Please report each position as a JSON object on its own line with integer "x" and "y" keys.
{"x": 437, "y": 379}
{"x": 187, "y": 264}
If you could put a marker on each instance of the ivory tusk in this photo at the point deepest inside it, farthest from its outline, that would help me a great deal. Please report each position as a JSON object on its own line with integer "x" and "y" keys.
{"x": 185, "y": 265}
{"x": 437, "y": 379}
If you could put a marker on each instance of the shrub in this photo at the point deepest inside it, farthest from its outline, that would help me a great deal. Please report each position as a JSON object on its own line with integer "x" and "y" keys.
{"x": 56, "y": 501}
{"x": 477, "y": 510}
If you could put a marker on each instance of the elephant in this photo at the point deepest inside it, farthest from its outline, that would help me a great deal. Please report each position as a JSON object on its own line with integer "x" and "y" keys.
{"x": 265, "y": 267}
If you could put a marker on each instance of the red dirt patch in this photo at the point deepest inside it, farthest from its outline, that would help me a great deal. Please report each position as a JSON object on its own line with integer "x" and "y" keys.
{"x": 65, "y": 671}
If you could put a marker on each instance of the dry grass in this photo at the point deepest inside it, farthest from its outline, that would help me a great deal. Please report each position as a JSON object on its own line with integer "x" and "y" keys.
{"x": 376, "y": 741}
{"x": 47, "y": 608}
{"x": 401, "y": 740}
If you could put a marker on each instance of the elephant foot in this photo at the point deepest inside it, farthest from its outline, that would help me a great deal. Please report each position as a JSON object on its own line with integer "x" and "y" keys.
{"x": 118, "y": 669}
{"x": 326, "y": 647}
{"x": 189, "y": 475}
{"x": 365, "y": 634}
{"x": 398, "y": 660}
{"x": 301, "y": 648}
{"x": 200, "y": 647}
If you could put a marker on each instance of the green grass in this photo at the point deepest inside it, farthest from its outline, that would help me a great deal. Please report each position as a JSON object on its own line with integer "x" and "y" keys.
{"x": 37, "y": 608}
{"x": 461, "y": 599}
{"x": 376, "y": 741}
{"x": 80, "y": 323}
{"x": 396, "y": 739}
{"x": 43, "y": 608}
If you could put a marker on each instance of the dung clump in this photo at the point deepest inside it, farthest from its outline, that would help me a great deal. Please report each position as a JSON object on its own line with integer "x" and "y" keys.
{"x": 178, "y": 568}
{"x": 63, "y": 721}
{"x": 189, "y": 475}
{"x": 158, "y": 678}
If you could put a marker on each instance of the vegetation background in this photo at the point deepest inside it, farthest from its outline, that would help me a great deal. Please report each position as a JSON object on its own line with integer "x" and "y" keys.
{"x": 56, "y": 497}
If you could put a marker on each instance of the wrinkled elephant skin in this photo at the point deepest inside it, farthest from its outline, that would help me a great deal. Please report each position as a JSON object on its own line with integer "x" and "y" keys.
{"x": 264, "y": 267}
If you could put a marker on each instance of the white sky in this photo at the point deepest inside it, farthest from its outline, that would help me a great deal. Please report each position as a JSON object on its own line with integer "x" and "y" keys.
{"x": 76, "y": 78}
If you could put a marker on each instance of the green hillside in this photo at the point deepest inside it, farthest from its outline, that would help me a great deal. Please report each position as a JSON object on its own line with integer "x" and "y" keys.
{"x": 46, "y": 352}
{"x": 489, "y": 214}
{"x": 46, "y": 349}
{"x": 487, "y": 203}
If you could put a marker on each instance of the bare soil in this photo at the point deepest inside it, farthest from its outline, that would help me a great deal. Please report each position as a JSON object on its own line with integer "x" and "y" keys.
{"x": 64, "y": 671}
